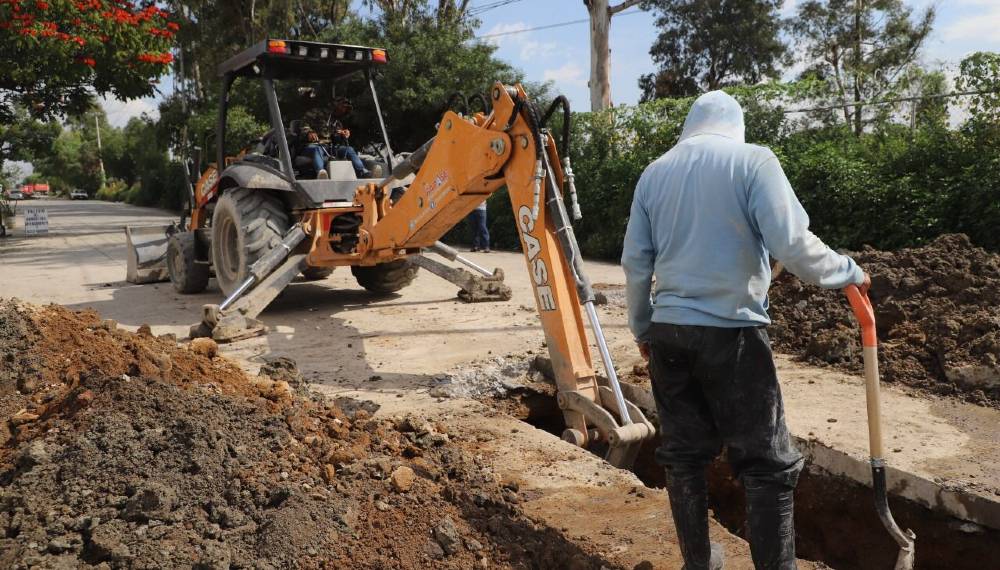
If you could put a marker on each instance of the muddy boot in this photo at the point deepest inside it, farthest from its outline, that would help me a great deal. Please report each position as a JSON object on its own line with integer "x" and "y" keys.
{"x": 770, "y": 509}
{"x": 689, "y": 507}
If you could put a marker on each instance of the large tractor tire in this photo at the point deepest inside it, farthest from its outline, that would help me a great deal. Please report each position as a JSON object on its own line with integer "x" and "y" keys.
{"x": 386, "y": 277}
{"x": 246, "y": 225}
{"x": 186, "y": 274}
{"x": 316, "y": 273}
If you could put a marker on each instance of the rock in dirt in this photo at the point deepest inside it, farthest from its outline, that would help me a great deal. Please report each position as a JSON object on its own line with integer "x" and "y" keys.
{"x": 282, "y": 369}
{"x": 446, "y": 535}
{"x": 33, "y": 454}
{"x": 402, "y": 479}
{"x": 205, "y": 347}
{"x": 27, "y": 384}
{"x": 151, "y": 501}
{"x": 105, "y": 544}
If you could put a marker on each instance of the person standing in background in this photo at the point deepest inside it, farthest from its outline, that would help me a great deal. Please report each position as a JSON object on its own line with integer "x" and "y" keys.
{"x": 480, "y": 233}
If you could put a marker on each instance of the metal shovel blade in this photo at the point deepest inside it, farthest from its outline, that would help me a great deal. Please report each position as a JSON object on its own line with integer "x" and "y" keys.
{"x": 147, "y": 254}
{"x": 905, "y": 539}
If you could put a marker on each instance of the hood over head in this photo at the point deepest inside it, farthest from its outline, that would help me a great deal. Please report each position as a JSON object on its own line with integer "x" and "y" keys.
{"x": 715, "y": 113}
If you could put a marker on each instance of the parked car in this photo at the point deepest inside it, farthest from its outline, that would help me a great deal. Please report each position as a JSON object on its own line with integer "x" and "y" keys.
{"x": 78, "y": 195}
{"x": 16, "y": 195}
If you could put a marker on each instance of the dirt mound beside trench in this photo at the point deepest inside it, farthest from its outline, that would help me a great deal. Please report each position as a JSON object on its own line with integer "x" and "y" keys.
{"x": 937, "y": 310}
{"x": 122, "y": 450}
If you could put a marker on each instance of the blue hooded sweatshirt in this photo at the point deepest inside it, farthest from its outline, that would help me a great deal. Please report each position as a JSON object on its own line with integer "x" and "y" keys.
{"x": 704, "y": 218}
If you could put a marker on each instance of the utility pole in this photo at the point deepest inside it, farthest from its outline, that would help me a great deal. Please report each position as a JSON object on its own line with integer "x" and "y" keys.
{"x": 600, "y": 53}
{"x": 100, "y": 159}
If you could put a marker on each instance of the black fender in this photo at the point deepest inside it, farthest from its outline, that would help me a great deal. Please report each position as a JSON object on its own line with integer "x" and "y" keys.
{"x": 253, "y": 175}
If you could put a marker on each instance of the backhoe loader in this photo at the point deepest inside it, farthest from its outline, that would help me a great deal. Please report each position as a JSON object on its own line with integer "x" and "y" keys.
{"x": 259, "y": 223}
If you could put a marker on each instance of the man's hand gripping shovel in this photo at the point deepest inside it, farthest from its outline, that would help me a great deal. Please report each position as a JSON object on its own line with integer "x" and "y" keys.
{"x": 866, "y": 319}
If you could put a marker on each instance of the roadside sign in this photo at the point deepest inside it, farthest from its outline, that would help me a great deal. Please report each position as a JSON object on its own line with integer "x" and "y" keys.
{"x": 36, "y": 221}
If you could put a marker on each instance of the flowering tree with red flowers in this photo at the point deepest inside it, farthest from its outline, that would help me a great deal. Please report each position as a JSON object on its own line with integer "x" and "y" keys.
{"x": 57, "y": 54}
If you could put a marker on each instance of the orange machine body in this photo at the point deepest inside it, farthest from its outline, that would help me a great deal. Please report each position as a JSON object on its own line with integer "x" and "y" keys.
{"x": 471, "y": 158}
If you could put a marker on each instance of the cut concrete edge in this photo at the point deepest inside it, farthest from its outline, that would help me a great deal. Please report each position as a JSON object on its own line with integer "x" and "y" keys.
{"x": 955, "y": 501}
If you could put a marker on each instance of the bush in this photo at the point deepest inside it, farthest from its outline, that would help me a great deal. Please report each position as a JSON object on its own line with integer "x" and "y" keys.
{"x": 895, "y": 187}
{"x": 112, "y": 191}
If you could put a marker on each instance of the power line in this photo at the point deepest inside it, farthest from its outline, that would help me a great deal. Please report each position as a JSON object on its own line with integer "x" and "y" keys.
{"x": 550, "y": 26}
{"x": 890, "y": 101}
{"x": 476, "y": 10}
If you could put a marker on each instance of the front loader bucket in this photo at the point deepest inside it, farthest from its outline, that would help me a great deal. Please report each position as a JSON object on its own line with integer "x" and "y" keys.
{"x": 147, "y": 254}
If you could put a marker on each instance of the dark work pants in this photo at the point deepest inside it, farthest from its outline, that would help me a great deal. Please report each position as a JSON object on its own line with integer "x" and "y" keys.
{"x": 718, "y": 387}
{"x": 480, "y": 233}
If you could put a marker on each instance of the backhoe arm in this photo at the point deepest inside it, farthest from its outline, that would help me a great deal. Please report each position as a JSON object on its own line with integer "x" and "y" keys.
{"x": 468, "y": 160}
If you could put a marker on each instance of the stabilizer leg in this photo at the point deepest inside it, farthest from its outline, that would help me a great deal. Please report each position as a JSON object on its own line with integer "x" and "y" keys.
{"x": 474, "y": 288}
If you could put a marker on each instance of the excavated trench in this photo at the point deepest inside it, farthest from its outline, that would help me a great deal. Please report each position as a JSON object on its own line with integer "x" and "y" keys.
{"x": 835, "y": 520}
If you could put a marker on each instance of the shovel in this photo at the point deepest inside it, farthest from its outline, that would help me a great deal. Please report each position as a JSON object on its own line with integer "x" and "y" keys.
{"x": 866, "y": 319}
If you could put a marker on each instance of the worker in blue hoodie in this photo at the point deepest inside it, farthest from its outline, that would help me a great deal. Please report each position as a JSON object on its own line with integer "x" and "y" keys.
{"x": 705, "y": 218}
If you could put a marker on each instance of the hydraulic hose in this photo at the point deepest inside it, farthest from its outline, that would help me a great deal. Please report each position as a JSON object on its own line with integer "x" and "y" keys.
{"x": 482, "y": 99}
{"x": 531, "y": 116}
{"x": 459, "y": 97}
{"x": 570, "y": 178}
{"x": 560, "y": 101}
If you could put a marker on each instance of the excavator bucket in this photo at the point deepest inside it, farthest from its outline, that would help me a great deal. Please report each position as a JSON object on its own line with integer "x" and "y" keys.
{"x": 147, "y": 253}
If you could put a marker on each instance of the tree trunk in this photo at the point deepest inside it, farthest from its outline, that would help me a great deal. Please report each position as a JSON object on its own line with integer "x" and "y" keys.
{"x": 600, "y": 53}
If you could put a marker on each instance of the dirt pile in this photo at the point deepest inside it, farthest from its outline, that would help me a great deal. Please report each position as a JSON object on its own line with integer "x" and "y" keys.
{"x": 128, "y": 450}
{"x": 937, "y": 310}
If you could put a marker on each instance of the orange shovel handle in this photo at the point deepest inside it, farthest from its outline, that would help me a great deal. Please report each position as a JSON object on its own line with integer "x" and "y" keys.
{"x": 864, "y": 313}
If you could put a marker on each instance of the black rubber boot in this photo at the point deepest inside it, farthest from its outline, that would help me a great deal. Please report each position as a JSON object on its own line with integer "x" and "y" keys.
{"x": 770, "y": 521}
{"x": 689, "y": 507}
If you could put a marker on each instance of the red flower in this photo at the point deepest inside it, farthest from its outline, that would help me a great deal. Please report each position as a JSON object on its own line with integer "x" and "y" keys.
{"x": 42, "y": 5}
{"x": 173, "y": 26}
{"x": 88, "y": 61}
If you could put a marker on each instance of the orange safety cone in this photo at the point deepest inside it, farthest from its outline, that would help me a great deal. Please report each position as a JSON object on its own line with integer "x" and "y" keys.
{"x": 865, "y": 315}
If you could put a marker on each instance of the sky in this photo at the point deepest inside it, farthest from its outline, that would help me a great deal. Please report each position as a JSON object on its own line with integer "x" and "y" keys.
{"x": 562, "y": 54}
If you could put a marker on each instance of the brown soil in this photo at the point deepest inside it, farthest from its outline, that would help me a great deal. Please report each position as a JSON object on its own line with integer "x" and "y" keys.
{"x": 127, "y": 450}
{"x": 937, "y": 309}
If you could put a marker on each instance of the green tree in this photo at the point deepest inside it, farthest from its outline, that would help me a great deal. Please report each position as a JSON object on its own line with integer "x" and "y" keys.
{"x": 981, "y": 72}
{"x": 218, "y": 30}
{"x": 708, "y": 44}
{"x": 861, "y": 48}
{"x": 72, "y": 160}
{"x": 429, "y": 59}
{"x": 22, "y": 137}
{"x": 432, "y": 54}
{"x": 931, "y": 111}
{"x": 58, "y": 53}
